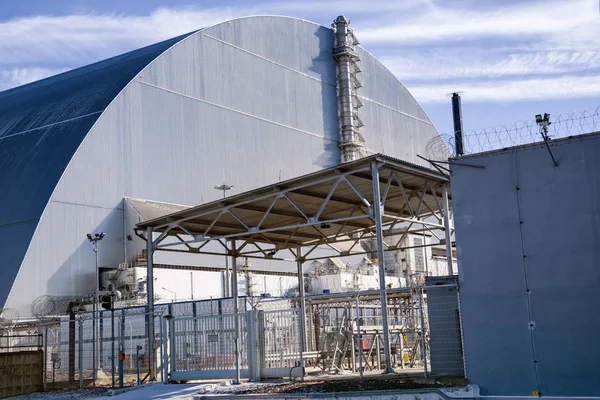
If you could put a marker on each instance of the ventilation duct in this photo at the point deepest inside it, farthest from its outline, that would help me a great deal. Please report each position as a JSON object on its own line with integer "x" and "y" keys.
{"x": 344, "y": 52}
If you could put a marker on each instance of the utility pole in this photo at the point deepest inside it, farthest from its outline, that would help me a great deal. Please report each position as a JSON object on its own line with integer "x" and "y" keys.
{"x": 172, "y": 292}
{"x": 224, "y": 188}
{"x": 94, "y": 241}
{"x": 191, "y": 285}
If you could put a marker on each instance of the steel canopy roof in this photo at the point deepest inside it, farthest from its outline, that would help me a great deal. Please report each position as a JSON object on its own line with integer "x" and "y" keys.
{"x": 323, "y": 207}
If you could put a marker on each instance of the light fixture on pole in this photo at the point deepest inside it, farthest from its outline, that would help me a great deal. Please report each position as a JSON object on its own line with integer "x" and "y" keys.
{"x": 94, "y": 241}
{"x": 224, "y": 188}
{"x": 172, "y": 292}
{"x": 543, "y": 122}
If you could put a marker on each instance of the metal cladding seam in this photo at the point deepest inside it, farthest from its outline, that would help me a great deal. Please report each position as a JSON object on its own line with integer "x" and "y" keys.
{"x": 41, "y": 126}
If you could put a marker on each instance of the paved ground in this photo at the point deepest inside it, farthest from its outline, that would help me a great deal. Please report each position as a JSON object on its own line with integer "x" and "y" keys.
{"x": 314, "y": 384}
{"x": 153, "y": 391}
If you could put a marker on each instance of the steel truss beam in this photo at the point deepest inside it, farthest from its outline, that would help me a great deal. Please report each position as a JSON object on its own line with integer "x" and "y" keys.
{"x": 396, "y": 210}
{"x": 361, "y": 213}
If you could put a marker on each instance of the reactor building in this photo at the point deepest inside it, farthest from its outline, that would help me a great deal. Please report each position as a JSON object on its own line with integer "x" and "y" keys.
{"x": 244, "y": 103}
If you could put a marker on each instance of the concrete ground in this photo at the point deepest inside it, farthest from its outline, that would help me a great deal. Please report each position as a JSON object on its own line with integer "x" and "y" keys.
{"x": 407, "y": 380}
{"x": 153, "y": 391}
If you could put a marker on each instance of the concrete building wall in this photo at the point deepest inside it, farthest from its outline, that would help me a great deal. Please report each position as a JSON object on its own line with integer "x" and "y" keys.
{"x": 21, "y": 372}
{"x": 527, "y": 238}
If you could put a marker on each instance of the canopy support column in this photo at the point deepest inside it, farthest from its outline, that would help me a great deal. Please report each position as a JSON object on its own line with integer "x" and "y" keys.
{"x": 150, "y": 307}
{"x": 301, "y": 309}
{"x": 377, "y": 212}
{"x": 236, "y": 311}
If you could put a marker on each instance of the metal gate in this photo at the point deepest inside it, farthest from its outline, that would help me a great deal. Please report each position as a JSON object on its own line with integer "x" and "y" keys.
{"x": 279, "y": 340}
{"x": 445, "y": 326}
{"x": 204, "y": 347}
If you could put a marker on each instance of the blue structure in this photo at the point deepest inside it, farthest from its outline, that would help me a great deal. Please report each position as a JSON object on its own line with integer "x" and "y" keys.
{"x": 41, "y": 126}
{"x": 249, "y": 101}
{"x": 527, "y": 241}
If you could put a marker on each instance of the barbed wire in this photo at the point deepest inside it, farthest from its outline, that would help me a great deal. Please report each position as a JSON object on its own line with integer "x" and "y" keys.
{"x": 516, "y": 134}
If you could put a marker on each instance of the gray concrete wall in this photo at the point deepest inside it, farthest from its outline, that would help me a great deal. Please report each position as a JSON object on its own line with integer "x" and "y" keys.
{"x": 527, "y": 238}
{"x": 21, "y": 372}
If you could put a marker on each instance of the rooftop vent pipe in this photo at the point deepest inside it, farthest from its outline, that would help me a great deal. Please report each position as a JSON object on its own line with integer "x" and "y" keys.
{"x": 458, "y": 124}
{"x": 351, "y": 141}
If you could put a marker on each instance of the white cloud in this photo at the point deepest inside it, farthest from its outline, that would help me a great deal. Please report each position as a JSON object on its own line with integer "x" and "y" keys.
{"x": 474, "y": 63}
{"x": 564, "y": 87}
{"x": 21, "y": 76}
{"x": 437, "y": 46}
{"x": 351, "y": 9}
{"x": 446, "y": 23}
{"x": 87, "y": 38}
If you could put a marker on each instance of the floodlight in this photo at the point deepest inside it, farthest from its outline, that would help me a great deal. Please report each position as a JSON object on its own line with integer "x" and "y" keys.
{"x": 325, "y": 225}
{"x": 89, "y": 236}
{"x": 271, "y": 253}
{"x": 544, "y": 123}
{"x": 102, "y": 234}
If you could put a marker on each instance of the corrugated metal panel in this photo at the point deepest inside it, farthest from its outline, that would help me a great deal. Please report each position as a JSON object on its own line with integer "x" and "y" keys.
{"x": 149, "y": 209}
{"x": 249, "y": 102}
{"x": 41, "y": 126}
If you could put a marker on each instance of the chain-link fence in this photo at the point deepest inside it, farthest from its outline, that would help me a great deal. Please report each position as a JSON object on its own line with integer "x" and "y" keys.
{"x": 81, "y": 350}
{"x": 107, "y": 348}
{"x": 342, "y": 333}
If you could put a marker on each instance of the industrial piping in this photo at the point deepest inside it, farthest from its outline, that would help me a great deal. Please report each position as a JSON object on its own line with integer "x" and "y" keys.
{"x": 347, "y": 84}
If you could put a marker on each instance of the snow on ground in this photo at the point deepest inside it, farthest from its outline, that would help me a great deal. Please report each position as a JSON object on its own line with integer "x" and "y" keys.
{"x": 152, "y": 391}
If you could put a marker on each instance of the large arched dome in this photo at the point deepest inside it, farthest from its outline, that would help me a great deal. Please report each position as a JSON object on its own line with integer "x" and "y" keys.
{"x": 250, "y": 101}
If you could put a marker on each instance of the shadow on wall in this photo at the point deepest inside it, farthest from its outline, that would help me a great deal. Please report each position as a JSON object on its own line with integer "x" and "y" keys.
{"x": 76, "y": 275}
{"x": 324, "y": 65}
{"x": 14, "y": 240}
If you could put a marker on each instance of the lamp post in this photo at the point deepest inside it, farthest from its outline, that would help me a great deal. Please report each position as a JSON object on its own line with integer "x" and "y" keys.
{"x": 170, "y": 291}
{"x": 224, "y": 188}
{"x": 94, "y": 241}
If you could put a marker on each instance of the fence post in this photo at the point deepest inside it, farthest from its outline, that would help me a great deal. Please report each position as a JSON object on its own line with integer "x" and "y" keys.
{"x": 251, "y": 345}
{"x": 100, "y": 339}
{"x": 423, "y": 347}
{"x": 360, "y": 353}
{"x": 80, "y": 353}
{"x": 162, "y": 349}
{"x": 172, "y": 353}
{"x": 171, "y": 337}
{"x": 236, "y": 321}
{"x": 71, "y": 344}
{"x": 112, "y": 327}
{"x": 121, "y": 348}
{"x": 164, "y": 338}
{"x": 137, "y": 362}
{"x": 45, "y": 357}
{"x": 260, "y": 338}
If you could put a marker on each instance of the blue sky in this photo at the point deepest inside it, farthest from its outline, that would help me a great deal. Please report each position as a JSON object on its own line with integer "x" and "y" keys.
{"x": 511, "y": 59}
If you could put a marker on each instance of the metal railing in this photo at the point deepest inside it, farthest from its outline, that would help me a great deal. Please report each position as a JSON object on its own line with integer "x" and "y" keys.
{"x": 346, "y": 335}
{"x": 21, "y": 342}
